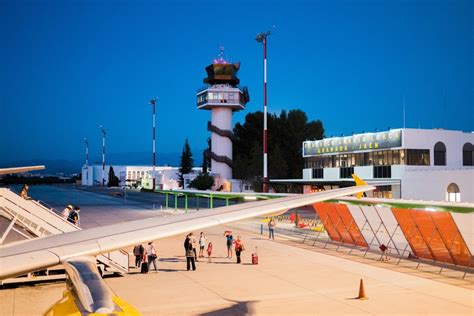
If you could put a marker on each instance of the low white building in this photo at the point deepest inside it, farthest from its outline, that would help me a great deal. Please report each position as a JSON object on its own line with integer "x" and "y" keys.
{"x": 403, "y": 163}
{"x": 166, "y": 177}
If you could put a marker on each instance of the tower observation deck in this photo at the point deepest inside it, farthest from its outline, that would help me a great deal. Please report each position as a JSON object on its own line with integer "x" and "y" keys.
{"x": 223, "y": 96}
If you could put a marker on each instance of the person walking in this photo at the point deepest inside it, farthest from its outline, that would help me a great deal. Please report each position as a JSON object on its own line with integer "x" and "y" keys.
{"x": 74, "y": 216}
{"x": 239, "y": 247}
{"x": 144, "y": 266}
{"x": 138, "y": 251}
{"x": 209, "y": 252}
{"x": 193, "y": 243}
{"x": 188, "y": 248}
{"x": 151, "y": 251}
{"x": 67, "y": 211}
{"x": 271, "y": 228}
{"x": 229, "y": 242}
{"x": 202, "y": 244}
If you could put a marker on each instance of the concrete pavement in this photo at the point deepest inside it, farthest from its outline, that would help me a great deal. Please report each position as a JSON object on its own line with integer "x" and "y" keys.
{"x": 288, "y": 280}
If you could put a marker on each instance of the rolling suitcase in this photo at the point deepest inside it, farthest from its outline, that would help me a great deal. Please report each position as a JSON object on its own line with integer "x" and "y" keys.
{"x": 144, "y": 268}
{"x": 255, "y": 257}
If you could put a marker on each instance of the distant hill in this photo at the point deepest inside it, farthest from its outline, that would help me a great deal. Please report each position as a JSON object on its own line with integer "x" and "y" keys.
{"x": 56, "y": 166}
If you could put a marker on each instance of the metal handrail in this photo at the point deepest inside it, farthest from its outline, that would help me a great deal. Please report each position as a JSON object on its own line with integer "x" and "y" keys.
{"x": 49, "y": 207}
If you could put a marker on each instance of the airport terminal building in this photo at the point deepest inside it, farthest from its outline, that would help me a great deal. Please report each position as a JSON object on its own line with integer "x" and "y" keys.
{"x": 166, "y": 177}
{"x": 403, "y": 163}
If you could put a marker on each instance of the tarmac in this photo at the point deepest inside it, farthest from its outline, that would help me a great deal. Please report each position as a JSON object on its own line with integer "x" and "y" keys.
{"x": 289, "y": 280}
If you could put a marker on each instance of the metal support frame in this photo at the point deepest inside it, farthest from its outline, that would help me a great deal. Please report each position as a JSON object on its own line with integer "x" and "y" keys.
{"x": 449, "y": 251}
{"x": 467, "y": 268}
{"x": 319, "y": 232}
{"x": 375, "y": 237}
{"x": 372, "y": 229}
{"x": 21, "y": 233}
{"x": 386, "y": 229}
{"x": 9, "y": 228}
{"x": 335, "y": 228}
{"x": 391, "y": 238}
{"x": 427, "y": 247}
{"x": 408, "y": 244}
{"x": 442, "y": 239}
{"x": 363, "y": 226}
{"x": 348, "y": 230}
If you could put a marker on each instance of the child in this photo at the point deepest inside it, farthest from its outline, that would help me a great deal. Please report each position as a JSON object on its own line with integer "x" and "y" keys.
{"x": 209, "y": 252}
{"x": 202, "y": 244}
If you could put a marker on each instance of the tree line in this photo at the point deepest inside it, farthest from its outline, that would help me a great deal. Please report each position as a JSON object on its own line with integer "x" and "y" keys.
{"x": 286, "y": 133}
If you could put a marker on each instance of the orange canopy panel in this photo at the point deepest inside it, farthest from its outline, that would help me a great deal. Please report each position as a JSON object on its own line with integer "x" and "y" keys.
{"x": 327, "y": 222}
{"x": 433, "y": 235}
{"x": 339, "y": 223}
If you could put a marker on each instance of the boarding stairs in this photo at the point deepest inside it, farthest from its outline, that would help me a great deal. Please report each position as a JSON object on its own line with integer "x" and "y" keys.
{"x": 35, "y": 219}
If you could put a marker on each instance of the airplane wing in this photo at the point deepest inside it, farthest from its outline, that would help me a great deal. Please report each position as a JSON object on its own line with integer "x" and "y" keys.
{"x": 20, "y": 169}
{"x": 36, "y": 254}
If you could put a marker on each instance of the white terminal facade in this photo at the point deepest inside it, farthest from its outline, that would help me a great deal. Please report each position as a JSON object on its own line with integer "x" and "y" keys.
{"x": 166, "y": 177}
{"x": 403, "y": 163}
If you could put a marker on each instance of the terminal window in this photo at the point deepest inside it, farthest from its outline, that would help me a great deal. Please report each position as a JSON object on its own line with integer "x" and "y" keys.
{"x": 439, "y": 154}
{"x": 383, "y": 191}
{"x": 382, "y": 171}
{"x": 418, "y": 157}
{"x": 346, "y": 172}
{"x": 318, "y": 173}
{"x": 373, "y": 158}
{"x": 467, "y": 154}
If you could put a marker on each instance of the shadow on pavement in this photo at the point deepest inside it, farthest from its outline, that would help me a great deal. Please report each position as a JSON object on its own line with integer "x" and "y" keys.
{"x": 238, "y": 308}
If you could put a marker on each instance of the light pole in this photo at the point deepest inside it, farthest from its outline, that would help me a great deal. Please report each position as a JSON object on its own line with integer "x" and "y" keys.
{"x": 153, "y": 103}
{"x": 87, "y": 151}
{"x": 262, "y": 38}
{"x": 103, "y": 154}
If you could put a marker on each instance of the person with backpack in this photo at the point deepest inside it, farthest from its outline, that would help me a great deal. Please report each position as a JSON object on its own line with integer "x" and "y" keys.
{"x": 74, "y": 216}
{"x": 138, "y": 251}
{"x": 229, "y": 242}
{"x": 189, "y": 252}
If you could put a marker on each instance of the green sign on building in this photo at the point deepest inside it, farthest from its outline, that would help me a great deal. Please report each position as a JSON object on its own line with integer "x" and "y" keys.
{"x": 368, "y": 141}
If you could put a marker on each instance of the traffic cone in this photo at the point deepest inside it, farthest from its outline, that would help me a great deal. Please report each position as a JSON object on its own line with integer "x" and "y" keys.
{"x": 362, "y": 291}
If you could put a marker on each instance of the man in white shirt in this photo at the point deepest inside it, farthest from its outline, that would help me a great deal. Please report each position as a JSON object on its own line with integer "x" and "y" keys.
{"x": 151, "y": 252}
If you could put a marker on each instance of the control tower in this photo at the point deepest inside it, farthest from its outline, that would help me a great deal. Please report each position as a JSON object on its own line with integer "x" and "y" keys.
{"x": 223, "y": 96}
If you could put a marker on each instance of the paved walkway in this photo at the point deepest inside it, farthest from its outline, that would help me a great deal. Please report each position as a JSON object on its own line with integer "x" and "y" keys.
{"x": 289, "y": 280}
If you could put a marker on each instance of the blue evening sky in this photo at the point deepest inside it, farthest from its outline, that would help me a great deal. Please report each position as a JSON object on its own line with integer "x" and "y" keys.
{"x": 69, "y": 66}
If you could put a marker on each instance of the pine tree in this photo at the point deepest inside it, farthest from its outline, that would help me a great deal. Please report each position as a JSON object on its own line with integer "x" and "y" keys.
{"x": 113, "y": 180}
{"x": 187, "y": 162}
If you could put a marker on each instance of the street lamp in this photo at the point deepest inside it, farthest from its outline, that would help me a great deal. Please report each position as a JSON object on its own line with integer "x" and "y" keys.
{"x": 153, "y": 103}
{"x": 103, "y": 154}
{"x": 87, "y": 151}
{"x": 262, "y": 38}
